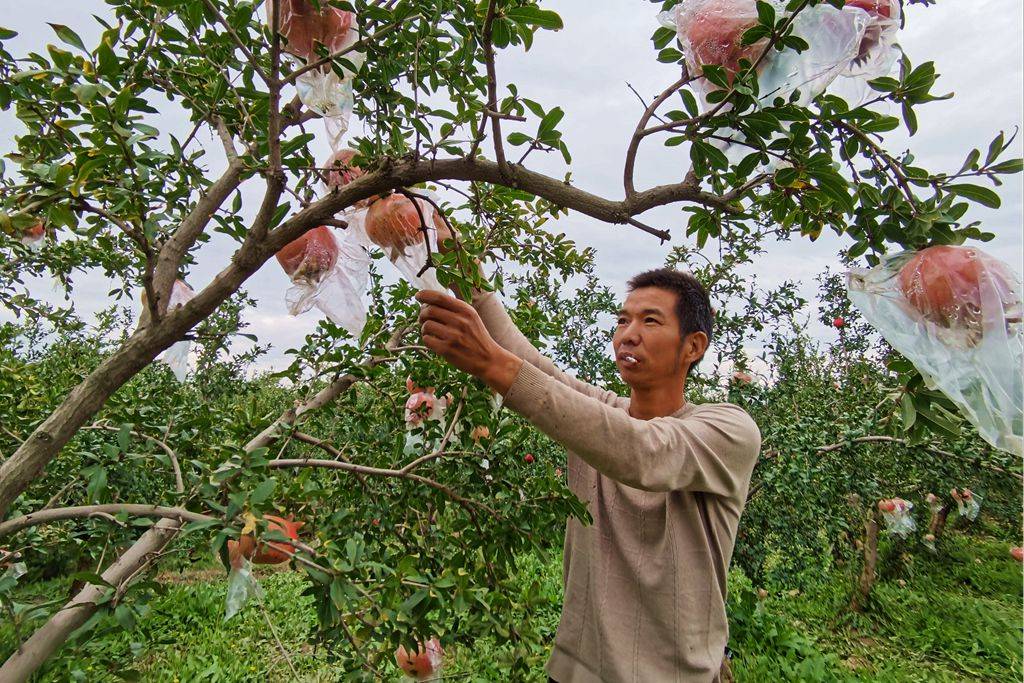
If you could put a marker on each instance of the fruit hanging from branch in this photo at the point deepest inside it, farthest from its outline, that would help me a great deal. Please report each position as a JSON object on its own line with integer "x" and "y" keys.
{"x": 423, "y": 664}
{"x": 265, "y": 552}
{"x": 311, "y": 256}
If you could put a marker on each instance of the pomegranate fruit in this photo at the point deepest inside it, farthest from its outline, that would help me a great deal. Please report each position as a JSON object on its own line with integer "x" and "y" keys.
{"x": 265, "y": 552}
{"x": 715, "y": 31}
{"x": 876, "y": 8}
{"x": 528, "y": 458}
{"x": 423, "y": 664}
{"x": 838, "y": 323}
{"x": 343, "y": 171}
{"x": 304, "y": 27}
{"x": 887, "y": 505}
{"x": 943, "y": 283}
{"x": 394, "y": 222}
{"x": 1017, "y": 553}
{"x": 35, "y": 232}
{"x": 311, "y": 255}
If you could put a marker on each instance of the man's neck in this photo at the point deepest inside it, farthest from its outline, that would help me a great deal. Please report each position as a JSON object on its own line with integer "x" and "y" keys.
{"x": 645, "y": 404}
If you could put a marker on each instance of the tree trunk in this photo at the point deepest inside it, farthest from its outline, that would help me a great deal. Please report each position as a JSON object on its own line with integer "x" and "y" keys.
{"x": 51, "y": 636}
{"x": 867, "y": 574}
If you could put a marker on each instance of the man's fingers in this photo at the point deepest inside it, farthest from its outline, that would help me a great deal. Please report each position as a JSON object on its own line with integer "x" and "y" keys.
{"x": 442, "y": 315}
{"x": 435, "y": 329}
{"x": 432, "y": 298}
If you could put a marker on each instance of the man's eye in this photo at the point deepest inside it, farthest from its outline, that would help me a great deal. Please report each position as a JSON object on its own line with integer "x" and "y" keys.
{"x": 622, "y": 321}
{"x": 652, "y": 320}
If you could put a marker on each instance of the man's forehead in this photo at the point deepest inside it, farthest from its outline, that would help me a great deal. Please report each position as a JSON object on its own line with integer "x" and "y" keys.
{"x": 649, "y": 299}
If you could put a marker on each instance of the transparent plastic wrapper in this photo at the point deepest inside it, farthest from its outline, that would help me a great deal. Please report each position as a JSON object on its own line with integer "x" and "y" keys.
{"x": 968, "y": 503}
{"x": 307, "y": 30}
{"x": 896, "y": 513}
{"x": 421, "y": 406}
{"x": 242, "y": 586}
{"x": 393, "y": 224}
{"x": 176, "y": 357}
{"x": 325, "y": 272}
{"x": 424, "y": 664}
{"x": 955, "y": 313}
{"x": 711, "y": 33}
{"x": 34, "y": 236}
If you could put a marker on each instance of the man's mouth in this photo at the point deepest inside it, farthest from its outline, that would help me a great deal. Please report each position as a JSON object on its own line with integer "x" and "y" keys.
{"x": 628, "y": 359}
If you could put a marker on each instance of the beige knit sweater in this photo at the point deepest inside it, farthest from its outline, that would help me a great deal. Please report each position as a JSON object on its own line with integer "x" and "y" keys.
{"x": 645, "y": 583}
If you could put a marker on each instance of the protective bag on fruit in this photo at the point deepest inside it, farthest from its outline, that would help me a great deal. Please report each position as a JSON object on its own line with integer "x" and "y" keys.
{"x": 403, "y": 227}
{"x": 176, "y": 357}
{"x": 308, "y": 31}
{"x": 896, "y": 514}
{"x": 422, "y": 408}
{"x": 326, "y": 272}
{"x": 877, "y": 51}
{"x": 242, "y": 586}
{"x": 424, "y": 664}
{"x": 711, "y": 33}
{"x": 955, "y": 312}
{"x": 968, "y": 503}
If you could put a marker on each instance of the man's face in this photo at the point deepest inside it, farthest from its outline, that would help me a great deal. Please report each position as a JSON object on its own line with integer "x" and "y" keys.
{"x": 647, "y": 343}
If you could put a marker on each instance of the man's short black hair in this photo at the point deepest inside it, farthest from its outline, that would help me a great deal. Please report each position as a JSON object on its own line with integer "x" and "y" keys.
{"x": 693, "y": 307}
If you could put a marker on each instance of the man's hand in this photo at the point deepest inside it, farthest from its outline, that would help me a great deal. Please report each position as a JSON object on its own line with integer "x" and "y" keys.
{"x": 453, "y": 329}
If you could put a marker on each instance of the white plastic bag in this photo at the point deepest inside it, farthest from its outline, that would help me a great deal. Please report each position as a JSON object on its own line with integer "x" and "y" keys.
{"x": 421, "y": 407}
{"x": 711, "y": 31}
{"x": 325, "y": 272}
{"x": 968, "y": 503}
{"x": 34, "y": 236}
{"x": 242, "y": 586}
{"x": 393, "y": 224}
{"x": 955, "y": 313}
{"x": 308, "y": 31}
{"x": 177, "y": 356}
{"x": 896, "y": 513}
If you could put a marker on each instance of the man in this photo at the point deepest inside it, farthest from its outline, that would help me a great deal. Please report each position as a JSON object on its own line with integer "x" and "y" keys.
{"x": 665, "y": 480}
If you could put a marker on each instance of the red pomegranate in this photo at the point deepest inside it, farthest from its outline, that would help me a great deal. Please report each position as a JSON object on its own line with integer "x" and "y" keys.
{"x": 394, "y": 222}
{"x": 944, "y": 284}
{"x": 876, "y": 8}
{"x": 265, "y": 552}
{"x": 887, "y": 505}
{"x": 1017, "y": 553}
{"x": 36, "y": 231}
{"x": 304, "y": 27}
{"x": 715, "y": 32}
{"x": 839, "y": 323}
{"x": 313, "y": 253}
{"x": 422, "y": 665}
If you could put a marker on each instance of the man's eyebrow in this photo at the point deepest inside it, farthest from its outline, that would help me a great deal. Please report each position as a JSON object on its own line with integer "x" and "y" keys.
{"x": 646, "y": 311}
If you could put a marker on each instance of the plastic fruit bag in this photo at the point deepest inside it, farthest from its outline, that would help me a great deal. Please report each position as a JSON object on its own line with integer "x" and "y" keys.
{"x": 242, "y": 586}
{"x": 968, "y": 503}
{"x": 896, "y": 513}
{"x": 421, "y": 406}
{"x": 176, "y": 357}
{"x": 423, "y": 665}
{"x": 394, "y": 224}
{"x": 34, "y": 236}
{"x": 955, "y": 313}
{"x": 321, "y": 270}
{"x": 308, "y": 31}
{"x": 711, "y": 32}
{"x": 929, "y": 541}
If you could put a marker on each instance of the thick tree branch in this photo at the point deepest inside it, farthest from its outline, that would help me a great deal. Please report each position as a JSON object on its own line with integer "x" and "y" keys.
{"x": 84, "y": 511}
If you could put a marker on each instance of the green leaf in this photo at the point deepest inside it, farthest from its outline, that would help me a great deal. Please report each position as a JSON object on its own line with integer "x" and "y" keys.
{"x": 6, "y": 33}
{"x": 765, "y": 13}
{"x": 976, "y": 193}
{"x": 263, "y": 491}
{"x": 535, "y": 16}
{"x": 68, "y": 36}
{"x": 909, "y": 412}
{"x": 517, "y": 139}
{"x": 1009, "y": 166}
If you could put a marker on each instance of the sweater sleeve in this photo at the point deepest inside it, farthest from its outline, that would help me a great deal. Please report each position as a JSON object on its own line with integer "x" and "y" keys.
{"x": 508, "y": 336}
{"x": 712, "y": 449}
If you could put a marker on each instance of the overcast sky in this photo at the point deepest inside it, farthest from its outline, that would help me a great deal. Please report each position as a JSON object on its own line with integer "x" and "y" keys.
{"x": 977, "y": 48}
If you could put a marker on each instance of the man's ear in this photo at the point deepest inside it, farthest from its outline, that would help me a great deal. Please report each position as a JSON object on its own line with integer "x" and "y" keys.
{"x": 694, "y": 346}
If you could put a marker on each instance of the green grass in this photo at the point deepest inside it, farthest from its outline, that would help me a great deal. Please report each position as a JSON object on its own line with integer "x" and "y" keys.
{"x": 957, "y": 617}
